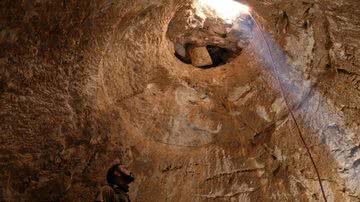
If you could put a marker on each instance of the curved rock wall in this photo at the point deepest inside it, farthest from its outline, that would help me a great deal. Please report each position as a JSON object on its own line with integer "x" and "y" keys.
{"x": 84, "y": 84}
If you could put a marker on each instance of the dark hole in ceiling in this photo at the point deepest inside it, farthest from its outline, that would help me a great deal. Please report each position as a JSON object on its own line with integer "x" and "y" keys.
{"x": 219, "y": 56}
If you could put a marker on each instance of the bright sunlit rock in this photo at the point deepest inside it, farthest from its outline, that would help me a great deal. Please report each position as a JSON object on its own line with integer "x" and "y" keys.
{"x": 228, "y": 10}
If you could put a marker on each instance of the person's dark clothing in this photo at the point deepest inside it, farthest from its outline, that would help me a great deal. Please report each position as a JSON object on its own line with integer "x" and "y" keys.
{"x": 113, "y": 193}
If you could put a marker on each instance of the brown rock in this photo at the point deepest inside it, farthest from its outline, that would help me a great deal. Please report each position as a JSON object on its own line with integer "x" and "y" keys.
{"x": 85, "y": 84}
{"x": 200, "y": 56}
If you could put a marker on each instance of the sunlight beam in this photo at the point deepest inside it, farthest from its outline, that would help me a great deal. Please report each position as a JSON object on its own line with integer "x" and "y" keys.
{"x": 228, "y": 10}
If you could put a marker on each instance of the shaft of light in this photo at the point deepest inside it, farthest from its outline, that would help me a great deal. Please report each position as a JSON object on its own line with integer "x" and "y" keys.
{"x": 286, "y": 100}
{"x": 228, "y": 10}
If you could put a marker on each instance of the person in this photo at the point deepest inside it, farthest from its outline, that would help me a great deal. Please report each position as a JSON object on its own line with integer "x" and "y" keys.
{"x": 118, "y": 178}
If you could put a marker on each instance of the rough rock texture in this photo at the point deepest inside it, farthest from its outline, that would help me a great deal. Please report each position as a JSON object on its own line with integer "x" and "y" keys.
{"x": 200, "y": 56}
{"x": 84, "y": 84}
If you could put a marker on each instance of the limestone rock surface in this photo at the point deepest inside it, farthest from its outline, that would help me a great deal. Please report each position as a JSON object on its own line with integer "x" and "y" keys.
{"x": 200, "y": 57}
{"x": 88, "y": 83}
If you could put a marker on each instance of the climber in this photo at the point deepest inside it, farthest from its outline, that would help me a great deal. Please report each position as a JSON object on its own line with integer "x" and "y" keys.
{"x": 118, "y": 178}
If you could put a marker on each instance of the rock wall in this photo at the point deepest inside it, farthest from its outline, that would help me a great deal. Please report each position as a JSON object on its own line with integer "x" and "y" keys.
{"x": 84, "y": 84}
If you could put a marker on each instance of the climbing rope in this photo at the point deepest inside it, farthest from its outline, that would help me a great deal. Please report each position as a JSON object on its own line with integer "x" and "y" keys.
{"x": 289, "y": 108}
